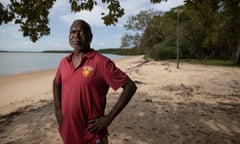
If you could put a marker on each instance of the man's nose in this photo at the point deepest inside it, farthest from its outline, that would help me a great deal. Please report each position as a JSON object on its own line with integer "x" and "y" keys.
{"x": 77, "y": 34}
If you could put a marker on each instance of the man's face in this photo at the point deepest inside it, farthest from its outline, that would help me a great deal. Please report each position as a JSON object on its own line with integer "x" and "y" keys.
{"x": 79, "y": 37}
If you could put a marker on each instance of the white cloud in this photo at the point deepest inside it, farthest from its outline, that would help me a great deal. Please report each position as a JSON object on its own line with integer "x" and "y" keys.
{"x": 28, "y": 44}
{"x": 9, "y": 29}
{"x": 59, "y": 7}
{"x": 5, "y": 2}
{"x": 166, "y": 6}
{"x": 12, "y": 39}
{"x": 101, "y": 44}
{"x": 93, "y": 17}
{"x": 131, "y": 7}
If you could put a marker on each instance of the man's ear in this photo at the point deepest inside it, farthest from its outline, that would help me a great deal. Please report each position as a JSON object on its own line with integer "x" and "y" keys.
{"x": 90, "y": 37}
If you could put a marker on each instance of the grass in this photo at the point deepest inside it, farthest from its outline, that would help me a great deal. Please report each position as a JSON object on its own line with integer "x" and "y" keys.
{"x": 214, "y": 62}
{"x": 119, "y": 51}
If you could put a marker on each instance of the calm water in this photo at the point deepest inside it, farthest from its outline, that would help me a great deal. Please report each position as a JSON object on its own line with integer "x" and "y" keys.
{"x": 14, "y": 63}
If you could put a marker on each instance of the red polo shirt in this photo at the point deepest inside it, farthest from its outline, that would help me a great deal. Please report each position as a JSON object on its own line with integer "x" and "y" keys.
{"x": 84, "y": 91}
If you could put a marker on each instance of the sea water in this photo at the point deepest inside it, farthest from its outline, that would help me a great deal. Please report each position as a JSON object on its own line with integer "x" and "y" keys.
{"x": 15, "y": 63}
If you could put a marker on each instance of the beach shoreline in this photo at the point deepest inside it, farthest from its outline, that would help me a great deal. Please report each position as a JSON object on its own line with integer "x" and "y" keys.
{"x": 193, "y": 104}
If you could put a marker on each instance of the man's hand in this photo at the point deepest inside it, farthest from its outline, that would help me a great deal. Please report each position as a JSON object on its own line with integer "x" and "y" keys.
{"x": 59, "y": 117}
{"x": 98, "y": 124}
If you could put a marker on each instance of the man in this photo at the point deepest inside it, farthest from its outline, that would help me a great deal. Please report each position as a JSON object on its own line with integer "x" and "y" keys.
{"x": 80, "y": 88}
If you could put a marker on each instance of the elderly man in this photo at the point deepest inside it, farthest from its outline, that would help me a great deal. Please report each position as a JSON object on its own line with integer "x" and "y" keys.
{"x": 80, "y": 87}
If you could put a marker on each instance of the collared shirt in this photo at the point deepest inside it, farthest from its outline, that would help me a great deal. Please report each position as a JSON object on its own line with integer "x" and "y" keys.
{"x": 84, "y": 91}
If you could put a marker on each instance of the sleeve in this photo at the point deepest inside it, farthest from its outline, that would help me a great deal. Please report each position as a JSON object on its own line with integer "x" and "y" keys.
{"x": 113, "y": 76}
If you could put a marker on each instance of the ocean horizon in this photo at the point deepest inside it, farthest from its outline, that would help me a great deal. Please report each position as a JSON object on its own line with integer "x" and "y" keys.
{"x": 17, "y": 63}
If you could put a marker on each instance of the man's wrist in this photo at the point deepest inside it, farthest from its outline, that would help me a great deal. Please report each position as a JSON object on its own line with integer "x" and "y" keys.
{"x": 110, "y": 117}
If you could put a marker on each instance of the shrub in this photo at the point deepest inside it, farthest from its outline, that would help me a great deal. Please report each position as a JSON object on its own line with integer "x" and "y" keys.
{"x": 162, "y": 51}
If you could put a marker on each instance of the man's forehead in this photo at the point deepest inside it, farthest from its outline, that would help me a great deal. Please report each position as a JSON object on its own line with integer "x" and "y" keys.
{"x": 77, "y": 25}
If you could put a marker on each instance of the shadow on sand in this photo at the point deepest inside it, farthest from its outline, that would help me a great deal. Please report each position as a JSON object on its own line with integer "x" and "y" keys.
{"x": 143, "y": 121}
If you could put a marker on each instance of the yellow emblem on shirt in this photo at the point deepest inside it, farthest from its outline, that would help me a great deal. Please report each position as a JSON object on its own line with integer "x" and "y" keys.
{"x": 87, "y": 70}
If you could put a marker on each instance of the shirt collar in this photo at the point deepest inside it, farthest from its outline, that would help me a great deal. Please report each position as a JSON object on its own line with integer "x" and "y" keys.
{"x": 87, "y": 55}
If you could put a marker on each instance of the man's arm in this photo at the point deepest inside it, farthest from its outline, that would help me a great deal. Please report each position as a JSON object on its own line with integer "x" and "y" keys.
{"x": 57, "y": 102}
{"x": 103, "y": 122}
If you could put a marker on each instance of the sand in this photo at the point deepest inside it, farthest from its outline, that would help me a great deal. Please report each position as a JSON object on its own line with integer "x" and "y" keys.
{"x": 195, "y": 104}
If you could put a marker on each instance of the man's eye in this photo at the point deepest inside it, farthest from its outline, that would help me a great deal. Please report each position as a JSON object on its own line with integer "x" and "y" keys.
{"x": 80, "y": 32}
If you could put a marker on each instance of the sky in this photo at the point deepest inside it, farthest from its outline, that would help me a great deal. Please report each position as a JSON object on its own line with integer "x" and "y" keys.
{"x": 61, "y": 17}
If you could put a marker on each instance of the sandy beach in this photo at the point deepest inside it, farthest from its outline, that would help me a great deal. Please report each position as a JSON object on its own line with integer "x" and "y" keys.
{"x": 196, "y": 104}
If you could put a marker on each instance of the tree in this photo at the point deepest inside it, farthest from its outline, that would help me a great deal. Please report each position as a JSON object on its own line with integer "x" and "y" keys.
{"x": 219, "y": 20}
{"x": 32, "y": 15}
{"x": 191, "y": 36}
{"x": 126, "y": 41}
{"x": 140, "y": 21}
{"x": 130, "y": 41}
{"x": 138, "y": 25}
{"x": 162, "y": 42}
{"x": 152, "y": 33}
